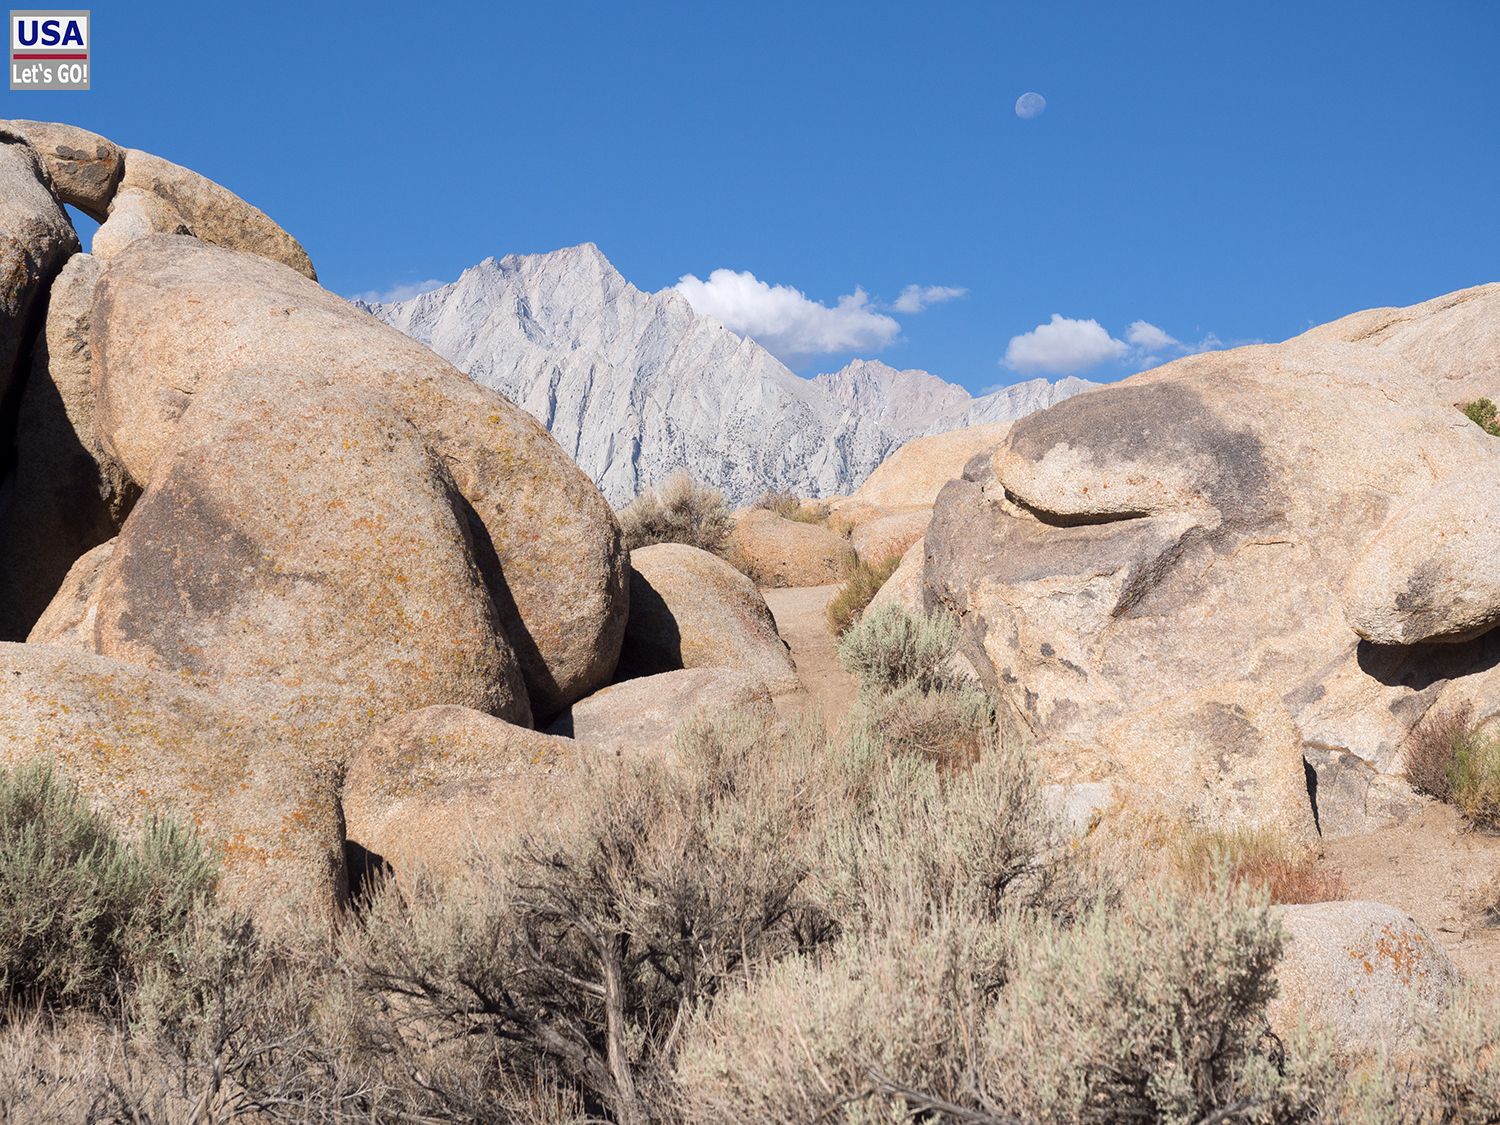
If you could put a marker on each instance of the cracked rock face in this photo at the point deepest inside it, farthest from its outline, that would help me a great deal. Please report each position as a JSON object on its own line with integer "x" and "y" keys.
{"x": 1196, "y": 527}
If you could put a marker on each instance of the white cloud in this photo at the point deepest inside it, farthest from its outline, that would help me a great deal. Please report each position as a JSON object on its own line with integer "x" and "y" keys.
{"x": 401, "y": 291}
{"x": 785, "y": 321}
{"x": 1147, "y": 337}
{"x": 915, "y": 298}
{"x": 1063, "y": 346}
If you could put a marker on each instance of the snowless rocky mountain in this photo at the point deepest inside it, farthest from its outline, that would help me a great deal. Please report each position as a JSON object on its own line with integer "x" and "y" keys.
{"x": 636, "y": 385}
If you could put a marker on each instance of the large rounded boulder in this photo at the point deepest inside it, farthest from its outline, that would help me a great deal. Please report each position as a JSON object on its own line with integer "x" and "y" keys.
{"x": 299, "y": 532}
{"x": 36, "y": 238}
{"x": 142, "y": 743}
{"x": 174, "y": 317}
{"x": 66, "y": 496}
{"x": 691, "y": 609}
{"x": 1363, "y": 972}
{"x": 782, "y": 552}
{"x": 432, "y": 788}
{"x": 1194, "y": 529}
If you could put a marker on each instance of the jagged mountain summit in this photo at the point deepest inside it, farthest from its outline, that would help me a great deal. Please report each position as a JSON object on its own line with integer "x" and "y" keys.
{"x": 637, "y": 385}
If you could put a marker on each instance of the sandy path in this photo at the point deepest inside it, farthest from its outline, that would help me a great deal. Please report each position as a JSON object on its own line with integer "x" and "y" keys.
{"x": 799, "y": 614}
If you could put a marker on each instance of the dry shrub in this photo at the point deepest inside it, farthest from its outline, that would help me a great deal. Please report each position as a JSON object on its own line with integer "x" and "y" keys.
{"x": 950, "y": 728}
{"x": 789, "y": 506}
{"x": 586, "y": 949}
{"x": 1260, "y": 858}
{"x": 862, "y": 584}
{"x": 680, "y": 510}
{"x": 890, "y": 648}
{"x": 1431, "y": 747}
{"x": 1448, "y": 757}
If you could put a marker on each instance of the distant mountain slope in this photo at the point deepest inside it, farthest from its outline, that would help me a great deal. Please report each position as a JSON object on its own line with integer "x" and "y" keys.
{"x": 637, "y": 385}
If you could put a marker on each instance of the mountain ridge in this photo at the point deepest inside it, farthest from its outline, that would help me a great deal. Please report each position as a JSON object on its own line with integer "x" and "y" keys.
{"x": 636, "y": 385}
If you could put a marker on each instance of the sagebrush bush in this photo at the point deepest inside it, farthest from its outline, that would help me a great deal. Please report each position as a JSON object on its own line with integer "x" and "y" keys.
{"x": 1258, "y": 857}
{"x": 890, "y": 649}
{"x": 679, "y": 510}
{"x": 84, "y": 911}
{"x": 587, "y": 948}
{"x": 1152, "y": 1010}
{"x": 862, "y": 584}
{"x": 1484, "y": 414}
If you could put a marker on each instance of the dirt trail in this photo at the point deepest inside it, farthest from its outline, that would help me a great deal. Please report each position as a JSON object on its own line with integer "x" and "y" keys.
{"x": 1441, "y": 872}
{"x": 799, "y": 614}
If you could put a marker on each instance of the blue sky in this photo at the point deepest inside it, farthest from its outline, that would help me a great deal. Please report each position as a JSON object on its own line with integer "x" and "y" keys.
{"x": 1216, "y": 172}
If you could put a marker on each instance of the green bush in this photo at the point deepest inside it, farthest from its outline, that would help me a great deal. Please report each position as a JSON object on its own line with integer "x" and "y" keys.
{"x": 890, "y": 648}
{"x": 1484, "y": 414}
{"x": 862, "y": 584}
{"x": 680, "y": 510}
{"x": 84, "y": 912}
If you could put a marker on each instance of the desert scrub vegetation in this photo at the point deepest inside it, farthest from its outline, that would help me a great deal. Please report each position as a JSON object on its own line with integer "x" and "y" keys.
{"x": 862, "y": 584}
{"x": 1258, "y": 857}
{"x": 769, "y": 924}
{"x": 679, "y": 510}
{"x": 1450, "y": 757}
{"x": 789, "y": 506}
{"x": 83, "y": 911}
{"x": 1484, "y": 414}
{"x": 890, "y": 649}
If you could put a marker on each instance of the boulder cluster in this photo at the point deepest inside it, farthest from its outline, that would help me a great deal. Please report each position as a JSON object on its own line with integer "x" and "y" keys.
{"x": 1234, "y": 584}
{"x": 269, "y": 566}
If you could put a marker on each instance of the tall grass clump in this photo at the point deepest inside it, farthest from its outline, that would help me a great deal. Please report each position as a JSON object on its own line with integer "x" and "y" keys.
{"x": 679, "y": 510}
{"x": 1260, "y": 858}
{"x": 890, "y": 649}
{"x": 860, "y": 587}
{"x": 84, "y": 911}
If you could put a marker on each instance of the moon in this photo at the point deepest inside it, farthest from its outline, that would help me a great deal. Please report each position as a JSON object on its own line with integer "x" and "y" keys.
{"x": 1029, "y": 105}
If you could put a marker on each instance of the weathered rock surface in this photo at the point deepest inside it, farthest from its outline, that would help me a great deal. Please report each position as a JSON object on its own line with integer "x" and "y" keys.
{"x": 878, "y": 539}
{"x": 1432, "y": 573}
{"x": 298, "y": 532}
{"x": 66, "y": 497}
{"x": 1194, "y": 527}
{"x": 1362, "y": 971}
{"x": 141, "y": 743}
{"x": 691, "y": 609}
{"x": 643, "y": 716}
{"x": 914, "y": 474}
{"x": 1450, "y": 344}
{"x": 210, "y": 212}
{"x": 85, "y": 167}
{"x": 432, "y": 786}
{"x": 174, "y": 316}
{"x": 1221, "y": 758}
{"x": 36, "y": 238}
{"x": 904, "y": 587}
{"x": 69, "y": 620}
{"x": 783, "y": 552}
{"x": 636, "y": 386}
